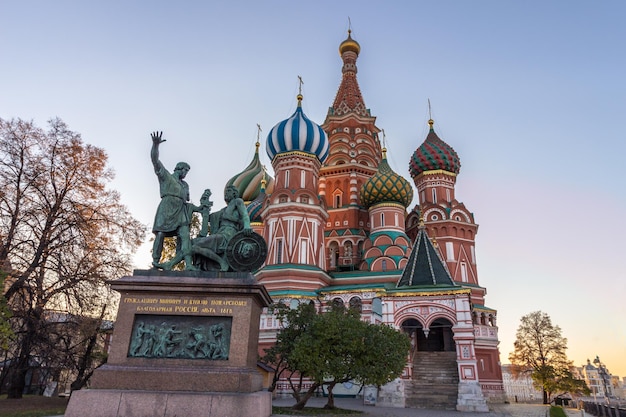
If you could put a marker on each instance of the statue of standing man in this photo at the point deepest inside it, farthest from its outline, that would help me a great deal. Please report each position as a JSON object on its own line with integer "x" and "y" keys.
{"x": 173, "y": 214}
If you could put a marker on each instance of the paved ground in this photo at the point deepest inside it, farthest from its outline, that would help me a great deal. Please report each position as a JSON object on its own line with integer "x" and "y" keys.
{"x": 498, "y": 410}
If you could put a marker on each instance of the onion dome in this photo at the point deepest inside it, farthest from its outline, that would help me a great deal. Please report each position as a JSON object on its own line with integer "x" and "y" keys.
{"x": 256, "y": 206}
{"x": 248, "y": 182}
{"x": 386, "y": 187}
{"x": 298, "y": 133}
{"x": 349, "y": 45}
{"x": 434, "y": 154}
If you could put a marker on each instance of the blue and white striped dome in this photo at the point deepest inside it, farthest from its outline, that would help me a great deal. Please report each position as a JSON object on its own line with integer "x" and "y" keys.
{"x": 298, "y": 133}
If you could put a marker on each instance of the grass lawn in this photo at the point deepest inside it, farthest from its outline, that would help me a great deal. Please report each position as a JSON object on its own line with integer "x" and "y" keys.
{"x": 312, "y": 411}
{"x": 556, "y": 411}
{"x": 32, "y": 406}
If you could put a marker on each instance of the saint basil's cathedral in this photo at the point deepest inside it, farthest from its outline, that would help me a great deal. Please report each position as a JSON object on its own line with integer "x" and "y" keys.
{"x": 339, "y": 229}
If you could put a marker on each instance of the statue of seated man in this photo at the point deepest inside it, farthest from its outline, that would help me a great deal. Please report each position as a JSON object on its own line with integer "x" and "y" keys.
{"x": 225, "y": 223}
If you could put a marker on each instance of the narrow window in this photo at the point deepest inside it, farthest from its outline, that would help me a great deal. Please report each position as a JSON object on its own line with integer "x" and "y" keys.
{"x": 382, "y": 219}
{"x": 302, "y": 179}
{"x": 287, "y": 179}
{"x": 338, "y": 201}
{"x": 423, "y": 196}
{"x": 434, "y": 195}
{"x": 304, "y": 253}
{"x": 463, "y": 272}
{"x": 448, "y": 195}
{"x": 384, "y": 264}
{"x": 396, "y": 220}
{"x": 449, "y": 251}
{"x": 279, "y": 251}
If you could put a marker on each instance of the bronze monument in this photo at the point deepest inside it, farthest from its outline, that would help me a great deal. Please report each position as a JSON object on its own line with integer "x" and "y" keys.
{"x": 185, "y": 342}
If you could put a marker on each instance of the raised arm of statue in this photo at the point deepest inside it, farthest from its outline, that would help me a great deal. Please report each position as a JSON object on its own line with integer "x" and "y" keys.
{"x": 157, "y": 139}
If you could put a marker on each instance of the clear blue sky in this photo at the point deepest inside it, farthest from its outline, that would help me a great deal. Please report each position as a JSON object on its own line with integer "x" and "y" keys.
{"x": 532, "y": 96}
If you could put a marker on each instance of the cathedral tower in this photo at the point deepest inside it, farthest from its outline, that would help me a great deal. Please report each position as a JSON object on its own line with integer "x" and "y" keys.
{"x": 355, "y": 153}
{"x": 386, "y": 196}
{"x": 434, "y": 167}
{"x": 293, "y": 215}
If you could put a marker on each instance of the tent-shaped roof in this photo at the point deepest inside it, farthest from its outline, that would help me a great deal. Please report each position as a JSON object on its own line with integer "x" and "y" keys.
{"x": 425, "y": 267}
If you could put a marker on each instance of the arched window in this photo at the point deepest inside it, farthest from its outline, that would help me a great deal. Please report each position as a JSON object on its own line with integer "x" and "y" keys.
{"x": 347, "y": 249}
{"x": 356, "y": 304}
{"x": 377, "y": 306}
{"x": 337, "y": 302}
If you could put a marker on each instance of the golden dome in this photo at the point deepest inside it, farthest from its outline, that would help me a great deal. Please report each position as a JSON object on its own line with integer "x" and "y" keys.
{"x": 349, "y": 45}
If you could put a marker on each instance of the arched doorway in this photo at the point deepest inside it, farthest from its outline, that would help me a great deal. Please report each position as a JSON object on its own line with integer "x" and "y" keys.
{"x": 415, "y": 330}
{"x": 439, "y": 337}
{"x": 433, "y": 356}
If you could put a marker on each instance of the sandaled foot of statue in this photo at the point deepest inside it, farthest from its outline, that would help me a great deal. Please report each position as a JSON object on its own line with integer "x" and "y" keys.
{"x": 189, "y": 266}
{"x": 166, "y": 266}
{"x": 224, "y": 265}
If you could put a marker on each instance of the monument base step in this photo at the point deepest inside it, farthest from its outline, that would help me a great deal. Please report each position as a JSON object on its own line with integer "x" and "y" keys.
{"x": 124, "y": 403}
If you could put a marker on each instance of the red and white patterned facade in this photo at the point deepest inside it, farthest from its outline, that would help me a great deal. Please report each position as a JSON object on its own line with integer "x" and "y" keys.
{"x": 325, "y": 245}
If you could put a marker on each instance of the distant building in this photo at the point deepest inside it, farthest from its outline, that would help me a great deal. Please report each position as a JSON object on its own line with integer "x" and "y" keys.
{"x": 600, "y": 381}
{"x": 519, "y": 388}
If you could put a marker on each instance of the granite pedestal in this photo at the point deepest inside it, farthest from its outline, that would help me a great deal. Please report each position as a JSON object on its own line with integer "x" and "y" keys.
{"x": 188, "y": 375}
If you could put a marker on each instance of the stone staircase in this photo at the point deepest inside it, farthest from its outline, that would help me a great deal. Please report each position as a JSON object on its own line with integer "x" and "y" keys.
{"x": 435, "y": 381}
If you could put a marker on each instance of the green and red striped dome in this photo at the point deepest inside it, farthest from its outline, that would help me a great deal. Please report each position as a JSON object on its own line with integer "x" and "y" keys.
{"x": 434, "y": 154}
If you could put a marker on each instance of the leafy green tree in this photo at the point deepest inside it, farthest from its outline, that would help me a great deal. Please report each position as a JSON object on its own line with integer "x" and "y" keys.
{"x": 540, "y": 349}
{"x": 296, "y": 323}
{"x": 63, "y": 233}
{"x": 569, "y": 383}
{"x": 334, "y": 347}
{"x": 384, "y": 356}
{"x": 328, "y": 352}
